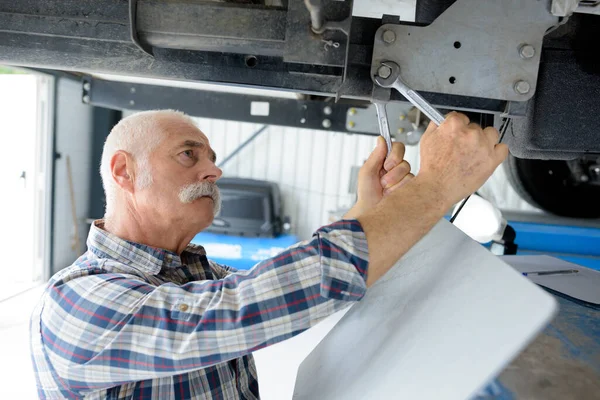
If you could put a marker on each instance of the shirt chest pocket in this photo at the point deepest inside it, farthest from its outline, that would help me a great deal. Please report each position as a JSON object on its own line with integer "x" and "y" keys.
{"x": 181, "y": 310}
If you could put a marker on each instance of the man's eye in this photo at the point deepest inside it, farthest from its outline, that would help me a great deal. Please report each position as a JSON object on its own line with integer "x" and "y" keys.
{"x": 189, "y": 153}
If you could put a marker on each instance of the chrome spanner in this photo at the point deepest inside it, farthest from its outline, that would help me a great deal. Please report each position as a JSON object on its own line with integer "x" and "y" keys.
{"x": 395, "y": 81}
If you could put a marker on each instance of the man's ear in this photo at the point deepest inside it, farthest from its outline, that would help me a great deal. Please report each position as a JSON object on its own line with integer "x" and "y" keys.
{"x": 121, "y": 167}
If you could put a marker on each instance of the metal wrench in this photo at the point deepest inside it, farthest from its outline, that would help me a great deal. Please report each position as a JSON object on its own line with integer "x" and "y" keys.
{"x": 384, "y": 125}
{"x": 395, "y": 81}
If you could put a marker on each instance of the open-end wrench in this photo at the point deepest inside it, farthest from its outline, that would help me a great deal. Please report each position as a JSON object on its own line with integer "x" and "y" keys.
{"x": 384, "y": 125}
{"x": 393, "y": 80}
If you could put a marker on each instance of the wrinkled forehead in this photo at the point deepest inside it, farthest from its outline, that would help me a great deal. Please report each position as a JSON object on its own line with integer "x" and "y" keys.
{"x": 174, "y": 129}
{"x": 178, "y": 133}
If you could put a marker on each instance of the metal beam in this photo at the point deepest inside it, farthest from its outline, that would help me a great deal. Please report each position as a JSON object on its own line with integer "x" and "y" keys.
{"x": 309, "y": 114}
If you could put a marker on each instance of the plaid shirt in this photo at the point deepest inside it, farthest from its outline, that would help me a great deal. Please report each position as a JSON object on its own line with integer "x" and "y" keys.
{"x": 128, "y": 321}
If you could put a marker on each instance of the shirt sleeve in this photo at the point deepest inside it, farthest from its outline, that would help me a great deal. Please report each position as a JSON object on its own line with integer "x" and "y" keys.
{"x": 108, "y": 329}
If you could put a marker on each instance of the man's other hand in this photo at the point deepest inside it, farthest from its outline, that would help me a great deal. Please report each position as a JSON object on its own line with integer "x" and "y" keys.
{"x": 459, "y": 156}
{"x": 380, "y": 176}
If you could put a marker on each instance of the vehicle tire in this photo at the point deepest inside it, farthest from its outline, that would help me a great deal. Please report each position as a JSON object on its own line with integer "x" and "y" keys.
{"x": 549, "y": 185}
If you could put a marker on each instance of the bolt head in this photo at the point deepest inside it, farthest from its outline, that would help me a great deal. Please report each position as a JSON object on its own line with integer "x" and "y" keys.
{"x": 326, "y": 124}
{"x": 132, "y": 90}
{"x": 131, "y": 103}
{"x": 86, "y": 99}
{"x": 402, "y": 117}
{"x": 389, "y": 36}
{"x": 327, "y": 110}
{"x": 400, "y": 130}
{"x": 352, "y": 111}
{"x": 302, "y": 120}
{"x": 384, "y": 71}
{"x": 351, "y": 124}
{"x": 584, "y": 178}
{"x": 522, "y": 87}
{"x": 87, "y": 86}
{"x": 527, "y": 51}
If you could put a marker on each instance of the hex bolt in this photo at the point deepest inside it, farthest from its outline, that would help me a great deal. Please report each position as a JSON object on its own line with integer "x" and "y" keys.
{"x": 351, "y": 124}
{"x": 326, "y": 124}
{"x": 522, "y": 87}
{"x": 302, "y": 120}
{"x": 384, "y": 71}
{"x": 327, "y": 110}
{"x": 131, "y": 103}
{"x": 87, "y": 86}
{"x": 526, "y": 51}
{"x": 352, "y": 111}
{"x": 402, "y": 117}
{"x": 132, "y": 90}
{"x": 86, "y": 99}
{"x": 389, "y": 37}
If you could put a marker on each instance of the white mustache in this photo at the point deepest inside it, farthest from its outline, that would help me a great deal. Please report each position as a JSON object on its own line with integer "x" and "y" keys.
{"x": 194, "y": 191}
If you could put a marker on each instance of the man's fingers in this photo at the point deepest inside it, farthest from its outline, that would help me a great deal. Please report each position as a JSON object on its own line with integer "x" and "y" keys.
{"x": 500, "y": 152}
{"x": 492, "y": 134}
{"x": 395, "y": 157}
{"x": 375, "y": 161}
{"x": 395, "y": 175}
{"x": 389, "y": 190}
{"x": 474, "y": 126}
{"x": 459, "y": 116}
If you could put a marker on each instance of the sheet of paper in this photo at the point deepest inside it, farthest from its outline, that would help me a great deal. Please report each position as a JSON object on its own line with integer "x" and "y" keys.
{"x": 440, "y": 325}
{"x": 584, "y": 285}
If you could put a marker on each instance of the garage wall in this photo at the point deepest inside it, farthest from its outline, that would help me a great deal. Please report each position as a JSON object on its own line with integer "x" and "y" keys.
{"x": 312, "y": 168}
{"x": 73, "y": 139}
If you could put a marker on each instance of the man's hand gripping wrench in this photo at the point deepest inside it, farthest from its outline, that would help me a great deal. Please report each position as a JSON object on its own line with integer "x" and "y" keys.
{"x": 388, "y": 76}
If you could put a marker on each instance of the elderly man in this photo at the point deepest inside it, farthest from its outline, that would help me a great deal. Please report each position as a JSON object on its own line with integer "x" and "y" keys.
{"x": 145, "y": 315}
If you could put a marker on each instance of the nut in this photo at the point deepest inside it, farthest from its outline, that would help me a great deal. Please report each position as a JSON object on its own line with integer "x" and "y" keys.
{"x": 389, "y": 36}
{"x": 384, "y": 71}
{"x": 526, "y": 51}
{"x": 522, "y": 87}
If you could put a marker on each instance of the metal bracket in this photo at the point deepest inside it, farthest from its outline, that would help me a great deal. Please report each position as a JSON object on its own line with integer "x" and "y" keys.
{"x": 480, "y": 48}
{"x": 361, "y": 120}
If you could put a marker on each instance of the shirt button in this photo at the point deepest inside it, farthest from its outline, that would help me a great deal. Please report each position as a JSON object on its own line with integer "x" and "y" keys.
{"x": 183, "y": 307}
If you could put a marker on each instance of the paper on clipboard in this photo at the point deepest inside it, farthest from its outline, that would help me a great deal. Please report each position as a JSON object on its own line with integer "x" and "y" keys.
{"x": 584, "y": 285}
{"x": 440, "y": 324}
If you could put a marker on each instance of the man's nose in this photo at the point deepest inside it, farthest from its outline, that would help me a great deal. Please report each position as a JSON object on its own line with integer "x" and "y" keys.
{"x": 212, "y": 174}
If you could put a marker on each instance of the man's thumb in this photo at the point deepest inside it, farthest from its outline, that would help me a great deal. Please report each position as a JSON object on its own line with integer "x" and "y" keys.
{"x": 377, "y": 156}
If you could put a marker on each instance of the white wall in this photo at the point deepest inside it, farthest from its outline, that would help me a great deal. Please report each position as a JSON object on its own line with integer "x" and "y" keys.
{"x": 73, "y": 139}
